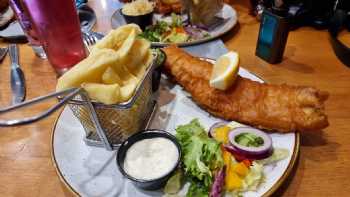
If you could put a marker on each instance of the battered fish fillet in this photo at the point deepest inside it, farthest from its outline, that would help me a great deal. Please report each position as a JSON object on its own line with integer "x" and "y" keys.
{"x": 282, "y": 108}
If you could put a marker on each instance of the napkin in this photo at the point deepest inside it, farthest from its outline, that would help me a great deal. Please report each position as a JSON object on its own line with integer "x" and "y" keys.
{"x": 13, "y": 33}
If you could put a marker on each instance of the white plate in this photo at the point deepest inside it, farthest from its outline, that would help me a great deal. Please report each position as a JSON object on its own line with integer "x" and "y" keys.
{"x": 92, "y": 171}
{"x": 228, "y": 13}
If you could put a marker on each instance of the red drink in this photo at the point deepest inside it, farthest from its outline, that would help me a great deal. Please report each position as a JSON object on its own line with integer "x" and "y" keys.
{"x": 24, "y": 20}
{"x": 58, "y": 27}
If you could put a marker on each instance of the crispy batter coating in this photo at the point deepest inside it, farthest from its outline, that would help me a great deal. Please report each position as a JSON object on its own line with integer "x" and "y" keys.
{"x": 282, "y": 108}
{"x": 163, "y": 8}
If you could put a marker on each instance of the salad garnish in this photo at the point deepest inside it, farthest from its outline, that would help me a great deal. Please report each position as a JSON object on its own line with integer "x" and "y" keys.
{"x": 249, "y": 140}
{"x": 175, "y": 182}
{"x": 211, "y": 168}
{"x": 174, "y": 32}
{"x": 201, "y": 156}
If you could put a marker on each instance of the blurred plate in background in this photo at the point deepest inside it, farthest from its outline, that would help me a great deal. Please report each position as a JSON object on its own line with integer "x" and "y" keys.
{"x": 228, "y": 13}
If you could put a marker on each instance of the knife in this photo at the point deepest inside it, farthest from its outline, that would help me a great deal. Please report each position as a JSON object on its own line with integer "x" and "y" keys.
{"x": 18, "y": 86}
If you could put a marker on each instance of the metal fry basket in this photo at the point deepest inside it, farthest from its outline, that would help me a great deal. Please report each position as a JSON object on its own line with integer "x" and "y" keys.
{"x": 118, "y": 121}
{"x": 105, "y": 125}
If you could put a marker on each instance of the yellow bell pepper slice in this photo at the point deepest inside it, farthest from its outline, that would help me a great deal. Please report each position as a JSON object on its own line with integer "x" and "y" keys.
{"x": 241, "y": 169}
{"x": 221, "y": 134}
{"x": 232, "y": 180}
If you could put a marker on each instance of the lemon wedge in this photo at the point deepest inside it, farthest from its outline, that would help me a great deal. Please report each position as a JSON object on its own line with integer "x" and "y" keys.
{"x": 225, "y": 71}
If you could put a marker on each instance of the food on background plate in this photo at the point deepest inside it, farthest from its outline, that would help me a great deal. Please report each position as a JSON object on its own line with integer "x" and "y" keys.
{"x": 139, "y": 12}
{"x": 138, "y": 7}
{"x": 151, "y": 158}
{"x": 225, "y": 71}
{"x": 213, "y": 171}
{"x": 174, "y": 32}
{"x": 203, "y": 12}
{"x": 283, "y": 108}
{"x": 114, "y": 68}
{"x": 168, "y": 6}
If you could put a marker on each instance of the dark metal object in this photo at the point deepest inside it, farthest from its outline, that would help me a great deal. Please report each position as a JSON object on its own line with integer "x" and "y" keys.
{"x": 87, "y": 17}
{"x": 273, "y": 36}
{"x": 337, "y": 23}
{"x": 313, "y": 13}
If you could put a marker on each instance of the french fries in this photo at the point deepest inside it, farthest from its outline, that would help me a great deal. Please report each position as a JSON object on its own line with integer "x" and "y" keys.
{"x": 115, "y": 66}
{"x": 116, "y": 38}
{"x": 111, "y": 77}
{"x": 107, "y": 94}
{"x": 88, "y": 70}
{"x": 137, "y": 53}
{"x": 127, "y": 91}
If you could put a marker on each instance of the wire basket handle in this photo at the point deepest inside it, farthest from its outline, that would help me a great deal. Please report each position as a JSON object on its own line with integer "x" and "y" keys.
{"x": 66, "y": 96}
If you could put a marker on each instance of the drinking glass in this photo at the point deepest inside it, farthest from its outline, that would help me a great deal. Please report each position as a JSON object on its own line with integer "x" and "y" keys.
{"x": 58, "y": 28}
{"x": 202, "y": 12}
{"x": 24, "y": 21}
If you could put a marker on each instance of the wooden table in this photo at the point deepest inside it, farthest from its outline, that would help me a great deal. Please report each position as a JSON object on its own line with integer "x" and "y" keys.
{"x": 323, "y": 169}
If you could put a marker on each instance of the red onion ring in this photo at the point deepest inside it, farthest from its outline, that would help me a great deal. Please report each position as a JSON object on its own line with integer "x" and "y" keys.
{"x": 239, "y": 156}
{"x": 254, "y": 153}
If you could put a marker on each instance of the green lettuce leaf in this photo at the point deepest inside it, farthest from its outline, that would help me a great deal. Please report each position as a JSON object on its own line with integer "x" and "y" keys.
{"x": 175, "y": 37}
{"x": 197, "y": 189}
{"x": 201, "y": 154}
{"x": 184, "y": 132}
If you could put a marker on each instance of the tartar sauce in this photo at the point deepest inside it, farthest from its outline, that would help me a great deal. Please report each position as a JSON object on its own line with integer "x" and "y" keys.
{"x": 151, "y": 158}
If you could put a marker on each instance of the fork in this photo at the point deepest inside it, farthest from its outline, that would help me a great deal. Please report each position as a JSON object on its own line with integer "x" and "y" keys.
{"x": 90, "y": 38}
